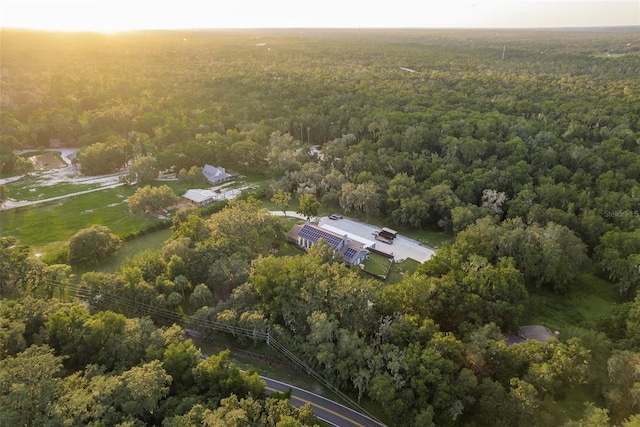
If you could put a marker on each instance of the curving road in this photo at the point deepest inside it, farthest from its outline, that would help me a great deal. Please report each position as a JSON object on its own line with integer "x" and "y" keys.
{"x": 325, "y": 409}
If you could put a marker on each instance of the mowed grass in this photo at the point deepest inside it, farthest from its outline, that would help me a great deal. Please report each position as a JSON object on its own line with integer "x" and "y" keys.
{"x": 377, "y": 264}
{"x": 401, "y": 269}
{"x": 58, "y": 221}
{"x": 430, "y": 238}
{"x": 31, "y": 189}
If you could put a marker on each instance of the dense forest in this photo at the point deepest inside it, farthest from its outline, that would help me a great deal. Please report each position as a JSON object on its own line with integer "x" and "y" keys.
{"x": 524, "y": 146}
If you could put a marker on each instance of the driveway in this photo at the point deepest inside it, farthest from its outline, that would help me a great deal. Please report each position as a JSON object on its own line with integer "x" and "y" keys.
{"x": 401, "y": 248}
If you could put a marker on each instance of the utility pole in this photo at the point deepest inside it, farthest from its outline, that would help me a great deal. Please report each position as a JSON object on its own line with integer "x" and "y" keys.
{"x": 504, "y": 49}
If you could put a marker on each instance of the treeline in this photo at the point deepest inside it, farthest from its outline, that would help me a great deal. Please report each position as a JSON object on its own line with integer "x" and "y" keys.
{"x": 429, "y": 350}
{"x": 61, "y": 365}
{"x": 547, "y": 134}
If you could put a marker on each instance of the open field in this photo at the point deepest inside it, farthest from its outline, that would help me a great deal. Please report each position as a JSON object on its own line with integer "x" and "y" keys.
{"x": 59, "y": 220}
{"x": 31, "y": 189}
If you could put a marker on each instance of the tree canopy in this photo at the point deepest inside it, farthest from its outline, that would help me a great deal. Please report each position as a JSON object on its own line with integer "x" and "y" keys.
{"x": 91, "y": 244}
{"x": 530, "y": 163}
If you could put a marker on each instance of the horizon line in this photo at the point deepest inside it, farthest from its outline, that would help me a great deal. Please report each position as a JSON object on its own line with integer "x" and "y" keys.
{"x": 133, "y": 30}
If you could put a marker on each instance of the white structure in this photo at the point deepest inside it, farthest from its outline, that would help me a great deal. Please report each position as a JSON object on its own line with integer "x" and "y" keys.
{"x": 199, "y": 197}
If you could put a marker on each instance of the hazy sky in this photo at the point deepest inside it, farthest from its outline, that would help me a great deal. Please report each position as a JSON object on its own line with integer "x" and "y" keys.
{"x": 114, "y": 15}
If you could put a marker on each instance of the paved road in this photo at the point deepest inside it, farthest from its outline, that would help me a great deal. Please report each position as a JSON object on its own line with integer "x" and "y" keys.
{"x": 325, "y": 409}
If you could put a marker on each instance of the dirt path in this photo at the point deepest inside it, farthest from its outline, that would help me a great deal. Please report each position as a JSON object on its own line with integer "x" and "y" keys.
{"x": 12, "y": 204}
{"x": 68, "y": 174}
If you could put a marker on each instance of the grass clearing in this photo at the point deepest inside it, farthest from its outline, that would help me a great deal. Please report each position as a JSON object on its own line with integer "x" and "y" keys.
{"x": 59, "y": 220}
{"x": 401, "y": 269}
{"x": 592, "y": 299}
{"x": 151, "y": 242}
{"x": 31, "y": 189}
{"x": 570, "y": 408}
{"x": 430, "y": 238}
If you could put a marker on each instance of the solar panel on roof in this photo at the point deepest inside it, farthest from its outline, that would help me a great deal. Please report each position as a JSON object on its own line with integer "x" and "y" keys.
{"x": 313, "y": 234}
{"x": 350, "y": 252}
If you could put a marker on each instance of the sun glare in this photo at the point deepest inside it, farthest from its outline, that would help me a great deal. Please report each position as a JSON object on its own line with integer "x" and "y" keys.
{"x": 122, "y": 15}
{"x": 75, "y": 15}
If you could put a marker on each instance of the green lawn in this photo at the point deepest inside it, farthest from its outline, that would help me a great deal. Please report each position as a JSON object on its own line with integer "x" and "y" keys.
{"x": 59, "y": 220}
{"x": 400, "y": 269}
{"x": 30, "y": 189}
{"x": 376, "y": 264}
{"x": 430, "y": 238}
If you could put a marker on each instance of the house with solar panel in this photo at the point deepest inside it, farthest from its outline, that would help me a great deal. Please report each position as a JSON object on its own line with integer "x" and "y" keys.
{"x": 353, "y": 252}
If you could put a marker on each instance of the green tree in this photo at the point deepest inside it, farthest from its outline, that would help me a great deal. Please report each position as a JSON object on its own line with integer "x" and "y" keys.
{"x": 463, "y": 216}
{"x": 412, "y": 212}
{"x": 23, "y": 165}
{"x": 174, "y": 299}
{"x": 623, "y": 396}
{"x": 593, "y": 417}
{"x": 216, "y": 377}
{"x": 247, "y": 155}
{"x": 441, "y": 200}
{"x": 12, "y": 340}
{"x": 92, "y": 244}
{"x": 619, "y": 254}
{"x": 193, "y": 177}
{"x": 4, "y": 194}
{"x": 282, "y": 200}
{"x": 179, "y": 360}
{"x": 144, "y": 387}
{"x": 201, "y": 295}
{"x": 102, "y": 158}
{"x": 308, "y": 206}
{"x": 151, "y": 200}
{"x": 8, "y": 143}
{"x": 362, "y": 198}
{"x": 144, "y": 171}
{"x": 15, "y": 265}
{"x": 28, "y": 386}
{"x": 56, "y": 277}
{"x": 402, "y": 186}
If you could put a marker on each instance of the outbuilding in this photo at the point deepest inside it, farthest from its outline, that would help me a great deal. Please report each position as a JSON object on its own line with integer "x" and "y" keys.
{"x": 199, "y": 198}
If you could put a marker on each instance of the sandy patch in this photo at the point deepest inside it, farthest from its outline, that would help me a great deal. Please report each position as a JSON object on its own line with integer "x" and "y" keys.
{"x": 47, "y": 161}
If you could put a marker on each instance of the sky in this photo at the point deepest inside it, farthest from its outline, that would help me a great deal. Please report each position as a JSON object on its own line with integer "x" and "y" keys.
{"x": 119, "y": 15}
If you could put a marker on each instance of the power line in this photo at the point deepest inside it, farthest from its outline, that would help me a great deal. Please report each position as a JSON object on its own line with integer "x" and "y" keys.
{"x": 84, "y": 293}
